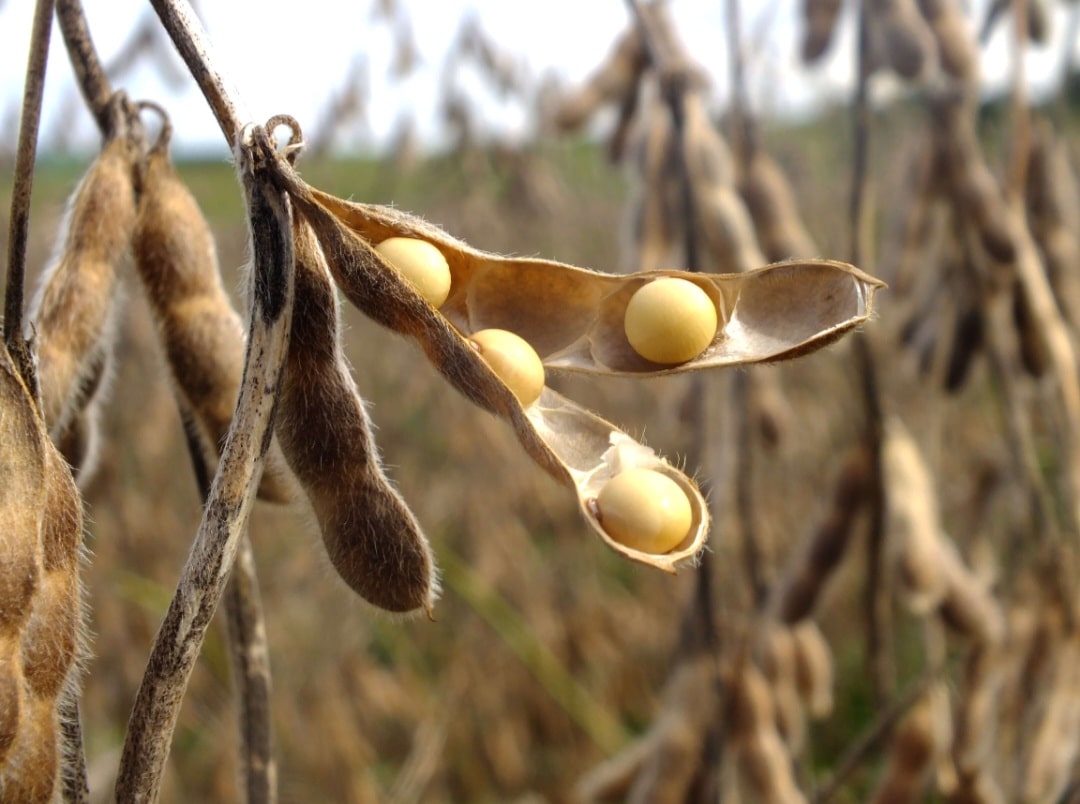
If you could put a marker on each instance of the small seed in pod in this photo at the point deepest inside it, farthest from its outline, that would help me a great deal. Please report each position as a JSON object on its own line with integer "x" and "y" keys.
{"x": 670, "y": 320}
{"x": 421, "y": 263}
{"x": 514, "y": 360}
{"x": 644, "y": 510}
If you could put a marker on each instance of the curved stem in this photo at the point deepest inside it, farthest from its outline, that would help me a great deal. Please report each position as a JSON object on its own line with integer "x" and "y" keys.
{"x": 202, "y": 582}
{"x": 89, "y": 72}
{"x": 25, "y": 156}
{"x": 186, "y": 32}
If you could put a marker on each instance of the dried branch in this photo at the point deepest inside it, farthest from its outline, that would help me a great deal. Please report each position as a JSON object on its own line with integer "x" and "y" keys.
{"x": 25, "y": 157}
{"x": 184, "y": 28}
{"x": 89, "y": 72}
{"x": 232, "y": 494}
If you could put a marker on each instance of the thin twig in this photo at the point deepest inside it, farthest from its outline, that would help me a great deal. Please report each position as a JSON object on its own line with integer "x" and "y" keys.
{"x": 870, "y": 739}
{"x": 877, "y": 600}
{"x": 248, "y": 648}
{"x": 187, "y": 34}
{"x": 89, "y": 72}
{"x": 202, "y": 582}
{"x": 25, "y": 157}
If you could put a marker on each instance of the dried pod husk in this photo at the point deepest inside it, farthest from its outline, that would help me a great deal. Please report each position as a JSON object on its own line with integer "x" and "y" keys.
{"x": 957, "y": 53}
{"x": 979, "y": 709}
{"x": 778, "y": 663}
{"x": 907, "y": 44}
{"x": 74, "y": 309}
{"x": 969, "y": 328}
{"x": 574, "y": 318}
{"x": 771, "y": 203}
{"x": 1033, "y": 352}
{"x": 663, "y": 765}
{"x": 40, "y": 603}
{"x": 967, "y": 606}
{"x": 814, "y": 671}
{"x": 913, "y": 240}
{"x": 613, "y": 81}
{"x": 11, "y": 691}
{"x": 770, "y": 409}
{"x": 1038, "y": 19}
{"x": 820, "y": 18}
{"x": 31, "y": 772}
{"x": 653, "y": 234}
{"x": 812, "y": 564}
{"x": 1053, "y": 204}
{"x": 543, "y": 299}
{"x": 202, "y": 334}
{"x": 370, "y": 535}
{"x": 916, "y": 743}
{"x": 914, "y": 542}
{"x": 1053, "y": 748}
{"x": 763, "y": 761}
{"x": 22, "y": 498}
{"x": 976, "y": 194}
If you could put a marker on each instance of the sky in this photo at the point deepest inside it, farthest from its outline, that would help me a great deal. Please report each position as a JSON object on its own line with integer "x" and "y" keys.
{"x": 293, "y": 63}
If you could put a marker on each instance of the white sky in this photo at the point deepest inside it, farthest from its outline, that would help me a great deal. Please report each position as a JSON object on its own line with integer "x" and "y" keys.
{"x": 565, "y": 37}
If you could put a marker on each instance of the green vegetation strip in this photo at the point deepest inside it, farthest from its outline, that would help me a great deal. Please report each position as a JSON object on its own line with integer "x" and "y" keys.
{"x": 596, "y": 721}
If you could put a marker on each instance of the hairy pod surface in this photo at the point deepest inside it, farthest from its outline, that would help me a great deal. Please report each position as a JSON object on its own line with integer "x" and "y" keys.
{"x": 770, "y": 201}
{"x": 73, "y": 310}
{"x": 370, "y": 535}
{"x": 201, "y": 332}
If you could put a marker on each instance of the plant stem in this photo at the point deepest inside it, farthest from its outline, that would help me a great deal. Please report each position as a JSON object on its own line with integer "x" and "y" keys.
{"x": 89, "y": 72}
{"x": 184, "y": 28}
{"x": 202, "y": 582}
{"x": 25, "y": 157}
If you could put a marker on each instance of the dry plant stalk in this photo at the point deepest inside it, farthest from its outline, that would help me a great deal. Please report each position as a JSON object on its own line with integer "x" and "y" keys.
{"x": 202, "y": 334}
{"x": 74, "y": 308}
{"x": 203, "y": 580}
{"x": 41, "y": 629}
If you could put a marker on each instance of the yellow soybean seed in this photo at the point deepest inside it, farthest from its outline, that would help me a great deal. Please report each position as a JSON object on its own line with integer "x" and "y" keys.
{"x": 514, "y": 360}
{"x": 644, "y": 510}
{"x": 421, "y": 263}
{"x": 670, "y": 320}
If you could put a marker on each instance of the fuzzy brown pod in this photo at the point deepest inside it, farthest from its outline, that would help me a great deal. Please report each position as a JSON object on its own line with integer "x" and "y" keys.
{"x": 913, "y": 522}
{"x": 614, "y": 80}
{"x": 574, "y": 317}
{"x": 795, "y": 596}
{"x": 905, "y": 38}
{"x": 820, "y": 17}
{"x": 202, "y": 334}
{"x": 770, "y": 201}
{"x": 957, "y": 52}
{"x": 814, "y": 671}
{"x": 575, "y": 446}
{"x": 370, "y": 535}
{"x": 73, "y": 311}
{"x": 918, "y": 740}
{"x": 1055, "y": 744}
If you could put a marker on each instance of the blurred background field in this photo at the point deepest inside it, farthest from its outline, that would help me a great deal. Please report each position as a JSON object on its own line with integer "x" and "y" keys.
{"x": 548, "y": 652}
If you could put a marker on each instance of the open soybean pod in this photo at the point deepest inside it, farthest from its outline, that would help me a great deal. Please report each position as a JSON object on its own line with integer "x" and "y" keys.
{"x": 575, "y": 318}
{"x": 576, "y": 447}
{"x": 202, "y": 334}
